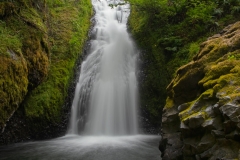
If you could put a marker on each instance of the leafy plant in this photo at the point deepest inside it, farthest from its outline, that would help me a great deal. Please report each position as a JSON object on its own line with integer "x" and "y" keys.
{"x": 231, "y": 57}
{"x": 235, "y": 10}
{"x": 193, "y": 49}
{"x": 173, "y": 30}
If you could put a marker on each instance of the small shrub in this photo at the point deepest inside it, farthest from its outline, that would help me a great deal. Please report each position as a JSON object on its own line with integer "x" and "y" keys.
{"x": 193, "y": 49}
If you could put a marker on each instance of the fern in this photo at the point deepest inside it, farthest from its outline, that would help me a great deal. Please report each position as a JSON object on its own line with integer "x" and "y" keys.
{"x": 235, "y": 10}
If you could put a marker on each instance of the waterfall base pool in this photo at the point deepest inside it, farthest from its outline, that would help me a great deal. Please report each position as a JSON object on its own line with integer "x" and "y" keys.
{"x": 73, "y": 147}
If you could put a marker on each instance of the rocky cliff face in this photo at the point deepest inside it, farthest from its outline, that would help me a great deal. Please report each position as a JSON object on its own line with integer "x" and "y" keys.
{"x": 40, "y": 44}
{"x": 201, "y": 118}
{"x": 24, "y": 53}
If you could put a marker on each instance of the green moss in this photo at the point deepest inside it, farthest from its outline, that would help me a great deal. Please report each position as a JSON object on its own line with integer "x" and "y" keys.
{"x": 208, "y": 94}
{"x": 29, "y": 25}
{"x": 192, "y": 114}
{"x": 67, "y": 36}
{"x": 13, "y": 85}
{"x": 9, "y": 41}
{"x": 155, "y": 77}
{"x": 169, "y": 103}
{"x": 198, "y": 106}
{"x": 7, "y": 9}
{"x": 41, "y": 41}
{"x": 217, "y": 70}
{"x": 32, "y": 17}
{"x": 222, "y": 78}
{"x": 193, "y": 49}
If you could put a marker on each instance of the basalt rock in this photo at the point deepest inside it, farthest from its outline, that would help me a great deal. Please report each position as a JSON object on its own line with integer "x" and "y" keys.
{"x": 203, "y": 104}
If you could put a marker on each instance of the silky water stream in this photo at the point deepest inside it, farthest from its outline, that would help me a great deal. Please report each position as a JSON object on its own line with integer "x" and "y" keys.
{"x": 103, "y": 124}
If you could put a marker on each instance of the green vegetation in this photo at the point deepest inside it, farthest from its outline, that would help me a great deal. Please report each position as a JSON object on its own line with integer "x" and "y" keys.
{"x": 8, "y": 40}
{"x": 170, "y": 32}
{"x": 40, "y": 44}
{"x": 67, "y": 36}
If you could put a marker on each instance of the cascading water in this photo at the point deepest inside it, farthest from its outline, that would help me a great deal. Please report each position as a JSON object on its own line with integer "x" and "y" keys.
{"x": 105, "y": 101}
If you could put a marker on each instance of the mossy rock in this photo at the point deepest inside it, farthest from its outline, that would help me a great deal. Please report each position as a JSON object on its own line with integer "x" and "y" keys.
{"x": 67, "y": 36}
{"x": 214, "y": 70}
{"x": 37, "y": 58}
{"x": 13, "y": 85}
{"x": 206, "y": 91}
{"x": 41, "y": 44}
{"x": 7, "y": 9}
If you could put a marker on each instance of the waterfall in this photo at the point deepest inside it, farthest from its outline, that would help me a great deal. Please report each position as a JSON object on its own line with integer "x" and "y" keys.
{"x": 106, "y": 95}
{"x": 104, "y": 108}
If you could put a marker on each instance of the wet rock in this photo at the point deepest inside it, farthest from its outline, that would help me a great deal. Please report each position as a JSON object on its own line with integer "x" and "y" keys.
{"x": 183, "y": 107}
{"x": 206, "y": 91}
{"x": 233, "y": 135}
{"x": 229, "y": 126}
{"x": 209, "y": 110}
{"x": 214, "y": 36}
{"x": 195, "y": 121}
{"x": 174, "y": 147}
{"x": 183, "y": 126}
{"x": 215, "y": 123}
{"x": 196, "y": 106}
{"x": 238, "y": 125}
{"x": 162, "y": 146}
{"x": 205, "y": 143}
{"x": 223, "y": 149}
{"x": 218, "y": 134}
{"x": 232, "y": 111}
{"x": 216, "y": 109}
{"x": 196, "y": 144}
{"x": 170, "y": 121}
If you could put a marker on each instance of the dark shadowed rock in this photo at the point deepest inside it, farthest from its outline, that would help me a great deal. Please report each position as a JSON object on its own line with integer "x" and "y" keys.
{"x": 232, "y": 111}
{"x": 214, "y": 123}
{"x": 170, "y": 121}
{"x": 183, "y": 107}
{"x": 196, "y": 121}
{"x": 174, "y": 151}
{"x": 223, "y": 149}
{"x": 218, "y": 134}
{"x": 207, "y": 94}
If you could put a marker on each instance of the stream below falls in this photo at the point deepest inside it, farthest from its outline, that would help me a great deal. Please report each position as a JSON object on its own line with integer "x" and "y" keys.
{"x": 72, "y": 147}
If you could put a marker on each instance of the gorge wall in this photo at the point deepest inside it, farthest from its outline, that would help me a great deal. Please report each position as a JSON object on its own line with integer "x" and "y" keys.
{"x": 41, "y": 42}
{"x": 200, "y": 118}
{"x": 201, "y": 115}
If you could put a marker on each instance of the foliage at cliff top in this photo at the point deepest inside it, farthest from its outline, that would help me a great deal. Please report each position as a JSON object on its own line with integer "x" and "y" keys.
{"x": 169, "y": 33}
{"x": 40, "y": 43}
{"x": 176, "y": 26}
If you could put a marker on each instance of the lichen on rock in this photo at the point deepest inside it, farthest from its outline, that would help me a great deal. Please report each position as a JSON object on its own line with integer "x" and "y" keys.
{"x": 205, "y": 95}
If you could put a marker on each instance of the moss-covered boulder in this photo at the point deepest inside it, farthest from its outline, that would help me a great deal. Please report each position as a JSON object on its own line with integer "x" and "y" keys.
{"x": 203, "y": 104}
{"x": 41, "y": 42}
{"x": 13, "y": 85}
{"x": 24, "y": 53}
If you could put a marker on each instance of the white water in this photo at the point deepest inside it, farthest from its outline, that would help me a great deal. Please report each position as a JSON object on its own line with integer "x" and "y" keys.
{"x": 137, "y": 147}
{"x": 105, "y": 101}
{"x": 108, "y": 87}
